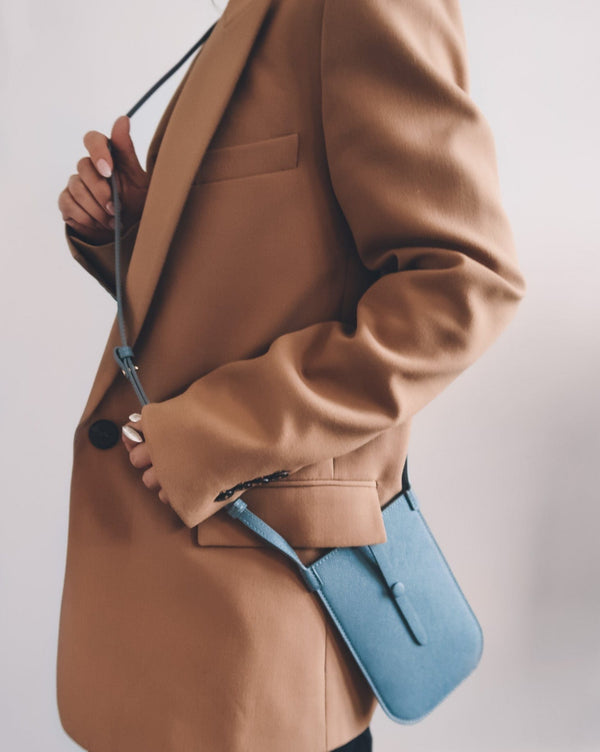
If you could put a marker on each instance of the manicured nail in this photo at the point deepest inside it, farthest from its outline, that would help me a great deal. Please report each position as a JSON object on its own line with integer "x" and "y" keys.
{"x": 103, "y": 168}
{"x": 110, "y": 208}
{"x": 134, "y": 417}
{"x": 132, "y": 434}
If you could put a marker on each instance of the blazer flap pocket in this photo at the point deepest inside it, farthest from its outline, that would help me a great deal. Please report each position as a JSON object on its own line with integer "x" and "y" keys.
{"x": 309, "y": 514}
{"x": 252, "y": 158}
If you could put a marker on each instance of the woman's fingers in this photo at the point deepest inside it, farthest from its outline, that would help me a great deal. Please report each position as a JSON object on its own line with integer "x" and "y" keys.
{"x": 150, "y": 480}
{"x": 133, "y": 438}
{"x": 81, "y": 190}
{"x": 97, "y": 145}
{"x": 128, "y": 163}
{"x": 70, "y": 209}
{"x": 86, "y": 203}
{"x": 78, "y": 218}
{"x": 163, "y": 496}
{"x": 139, "y": 456}
{"x": 79, "y": 204}
{"x": 99, "y": 188}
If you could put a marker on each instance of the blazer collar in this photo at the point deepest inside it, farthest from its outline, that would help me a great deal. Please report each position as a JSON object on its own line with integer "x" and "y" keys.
{"x": 195, "y": 115}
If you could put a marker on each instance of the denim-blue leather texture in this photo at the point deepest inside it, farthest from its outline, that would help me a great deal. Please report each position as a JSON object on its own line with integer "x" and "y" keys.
{"x": 397, "y": 605}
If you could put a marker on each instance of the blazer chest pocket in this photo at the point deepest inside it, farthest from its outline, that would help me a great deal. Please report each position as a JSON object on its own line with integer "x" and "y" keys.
{"x": 251, "y": 158}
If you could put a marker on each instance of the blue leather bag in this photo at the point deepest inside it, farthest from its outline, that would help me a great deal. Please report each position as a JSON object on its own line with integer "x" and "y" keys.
{"x": 396, "y": 604}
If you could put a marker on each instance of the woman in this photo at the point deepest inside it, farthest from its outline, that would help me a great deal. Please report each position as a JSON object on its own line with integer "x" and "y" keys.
{"x": 316, "y": 249}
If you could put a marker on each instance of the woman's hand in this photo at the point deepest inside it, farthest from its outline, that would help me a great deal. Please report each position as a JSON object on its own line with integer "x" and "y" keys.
{"x": 86, "y": 202}
{"x": 132, "y": 434}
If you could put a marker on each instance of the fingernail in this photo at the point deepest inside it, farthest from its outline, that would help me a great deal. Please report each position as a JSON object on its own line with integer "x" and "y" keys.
{"x": 132, "y": 434}
{"x": 110, "y": 208}
{"x": 134, "y": 417}
{"x": 103, "y": 168}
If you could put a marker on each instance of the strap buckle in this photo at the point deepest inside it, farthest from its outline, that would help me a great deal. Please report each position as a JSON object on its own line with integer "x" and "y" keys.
{"x": 120, "y": 353}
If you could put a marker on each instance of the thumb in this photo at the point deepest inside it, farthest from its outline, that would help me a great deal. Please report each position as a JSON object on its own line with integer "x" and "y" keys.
{"x": 124, "y": 150}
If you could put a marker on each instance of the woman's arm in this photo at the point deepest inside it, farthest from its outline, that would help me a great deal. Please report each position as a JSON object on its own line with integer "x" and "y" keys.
{"x": 413, "y": 165}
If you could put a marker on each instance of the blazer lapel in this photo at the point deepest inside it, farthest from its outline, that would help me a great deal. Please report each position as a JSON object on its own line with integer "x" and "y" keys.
{"x": 195, "y": 112}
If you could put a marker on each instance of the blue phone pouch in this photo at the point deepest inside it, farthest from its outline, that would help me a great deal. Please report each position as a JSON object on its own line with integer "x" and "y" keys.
{"x": 397, "y": 606}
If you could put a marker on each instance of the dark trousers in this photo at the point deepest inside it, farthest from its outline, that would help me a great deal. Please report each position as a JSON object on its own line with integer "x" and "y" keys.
{"x": 361, "y": 743}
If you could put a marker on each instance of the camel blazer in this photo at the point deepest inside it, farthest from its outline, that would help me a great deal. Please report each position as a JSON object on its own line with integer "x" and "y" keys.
{"x": 323, "y": 249}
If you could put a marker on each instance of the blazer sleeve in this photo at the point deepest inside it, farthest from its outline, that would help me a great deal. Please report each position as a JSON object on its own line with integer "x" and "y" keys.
{"x": 413, "y": 166}
{"x": 99, "y": 260}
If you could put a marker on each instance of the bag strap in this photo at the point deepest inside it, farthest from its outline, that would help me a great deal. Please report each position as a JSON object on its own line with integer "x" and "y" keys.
{"x": 238, "y": 509}
{"x": 123, "y": 353}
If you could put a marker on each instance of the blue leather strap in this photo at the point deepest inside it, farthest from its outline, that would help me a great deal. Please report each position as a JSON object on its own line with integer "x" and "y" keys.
{"x": 238, "y": 509}
{"x": 399, "y": 592}
{"x": 123, "y": 354}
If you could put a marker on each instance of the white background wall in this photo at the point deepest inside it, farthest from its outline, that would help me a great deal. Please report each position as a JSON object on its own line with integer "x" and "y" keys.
{"x": 505, "y": 461}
